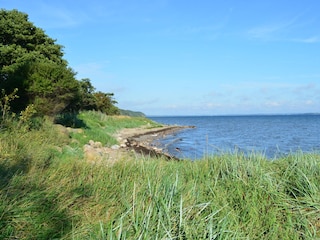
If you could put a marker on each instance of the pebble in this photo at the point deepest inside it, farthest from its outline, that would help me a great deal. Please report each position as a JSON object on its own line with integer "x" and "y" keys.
{"x": 115, "y": 147}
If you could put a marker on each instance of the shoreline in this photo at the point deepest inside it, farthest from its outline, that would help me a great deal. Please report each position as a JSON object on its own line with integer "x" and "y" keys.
{"x": 140, "y": 140}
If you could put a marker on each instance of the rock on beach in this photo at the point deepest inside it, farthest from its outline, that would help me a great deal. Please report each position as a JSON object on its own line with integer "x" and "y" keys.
{"x": 137, "y": 139}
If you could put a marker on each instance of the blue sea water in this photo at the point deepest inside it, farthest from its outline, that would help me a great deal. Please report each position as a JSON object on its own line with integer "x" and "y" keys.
{"x": 270, "y": 135}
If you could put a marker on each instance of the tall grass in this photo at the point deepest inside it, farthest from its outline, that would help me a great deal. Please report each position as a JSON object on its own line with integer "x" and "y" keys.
{"x": 49, "y": 192}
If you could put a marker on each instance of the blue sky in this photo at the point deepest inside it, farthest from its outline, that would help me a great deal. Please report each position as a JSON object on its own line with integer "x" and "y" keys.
{"x": 204, "y": 57}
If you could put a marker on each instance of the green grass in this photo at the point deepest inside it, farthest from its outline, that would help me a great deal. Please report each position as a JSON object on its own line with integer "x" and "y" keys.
{"x": 100, "y": 127}
{"x": 48, "y": 191}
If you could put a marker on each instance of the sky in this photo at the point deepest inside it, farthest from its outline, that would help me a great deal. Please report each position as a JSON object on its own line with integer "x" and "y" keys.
{"x": 183, "y": 57}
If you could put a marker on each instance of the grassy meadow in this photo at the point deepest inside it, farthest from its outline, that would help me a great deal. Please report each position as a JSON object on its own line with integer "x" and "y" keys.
{"x": 49, "y": 191}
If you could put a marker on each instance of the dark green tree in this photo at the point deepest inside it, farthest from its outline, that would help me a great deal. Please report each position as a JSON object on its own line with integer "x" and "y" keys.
{"x": 51, "y": 87}
{"x": 32, "y": 62}
{"x": 85, "y": 99}
{"x": 106, "y": 103}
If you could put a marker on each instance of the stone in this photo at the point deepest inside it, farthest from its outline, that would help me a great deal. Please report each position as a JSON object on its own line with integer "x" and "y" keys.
{"x": 115, "y": 147}
{"x": 98, "y": 145}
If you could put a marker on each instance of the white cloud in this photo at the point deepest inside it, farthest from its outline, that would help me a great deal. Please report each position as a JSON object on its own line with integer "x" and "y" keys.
{"x": 272, "y": 104}
{"x": 271, "y": 31}
{"x": 303, "y": 88}
{"x": 94, "y": 70}
{"x": 60, "y": 16}
{"x": 308, "y": 40}
{"x": 211, "y": 105}
{"x": 140, "y": 103}
{"x": 208, "y": 30}
{"x": 309, "y": 102}
{"x": 286, "y": 31}
{"x": 215, "y": 94}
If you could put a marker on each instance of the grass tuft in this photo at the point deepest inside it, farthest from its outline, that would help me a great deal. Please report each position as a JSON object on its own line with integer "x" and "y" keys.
{"x": 49, "y": 192}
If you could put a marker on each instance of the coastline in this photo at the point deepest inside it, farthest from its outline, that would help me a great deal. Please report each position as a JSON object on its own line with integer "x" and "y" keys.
{"x": 140, "y": 139}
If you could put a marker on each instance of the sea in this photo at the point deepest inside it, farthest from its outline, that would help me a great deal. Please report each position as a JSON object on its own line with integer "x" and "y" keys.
{"x": 272, "y": 136}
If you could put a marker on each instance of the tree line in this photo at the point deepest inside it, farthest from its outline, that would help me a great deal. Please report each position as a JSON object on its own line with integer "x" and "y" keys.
{"x": 34, "y": 73}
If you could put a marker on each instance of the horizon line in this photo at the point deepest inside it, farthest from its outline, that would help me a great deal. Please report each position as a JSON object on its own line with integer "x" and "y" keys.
{"x": 232, "y": 115}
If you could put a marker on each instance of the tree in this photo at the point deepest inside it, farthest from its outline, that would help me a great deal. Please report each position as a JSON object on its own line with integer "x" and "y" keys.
{"x": 32, "y": 62}
{"x": 106, "y": 103}
{"x": 51, "y": 87}
{"x": 24, "y": 37}
{"x": 85, "y": 99}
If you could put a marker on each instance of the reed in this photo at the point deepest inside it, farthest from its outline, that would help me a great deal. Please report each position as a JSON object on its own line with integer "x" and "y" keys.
{"x": 49, "y": 192}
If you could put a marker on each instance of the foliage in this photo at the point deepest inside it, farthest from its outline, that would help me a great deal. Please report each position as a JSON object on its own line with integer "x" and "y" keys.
{"x": 25, "y": 50}
{"x": 88, "y": 99}
{"x": 33, "y": 63}
{"x": 85, "y": 99}
{"x": 51, "y": 87}
{"x": 105, "y": 103}
{"x": 100, "y": 127}
{"x": 19, "y": 36}
{"x": 47, "y": 191}
{"x": 5, "y": 101}
{"x": 26, "y": 120}
{"x": 131, "y": 113}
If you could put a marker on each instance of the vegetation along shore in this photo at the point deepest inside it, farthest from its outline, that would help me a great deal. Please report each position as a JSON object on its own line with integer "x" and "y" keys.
{"x": 50, "y": 189}
{"x": 73, "y": 167}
